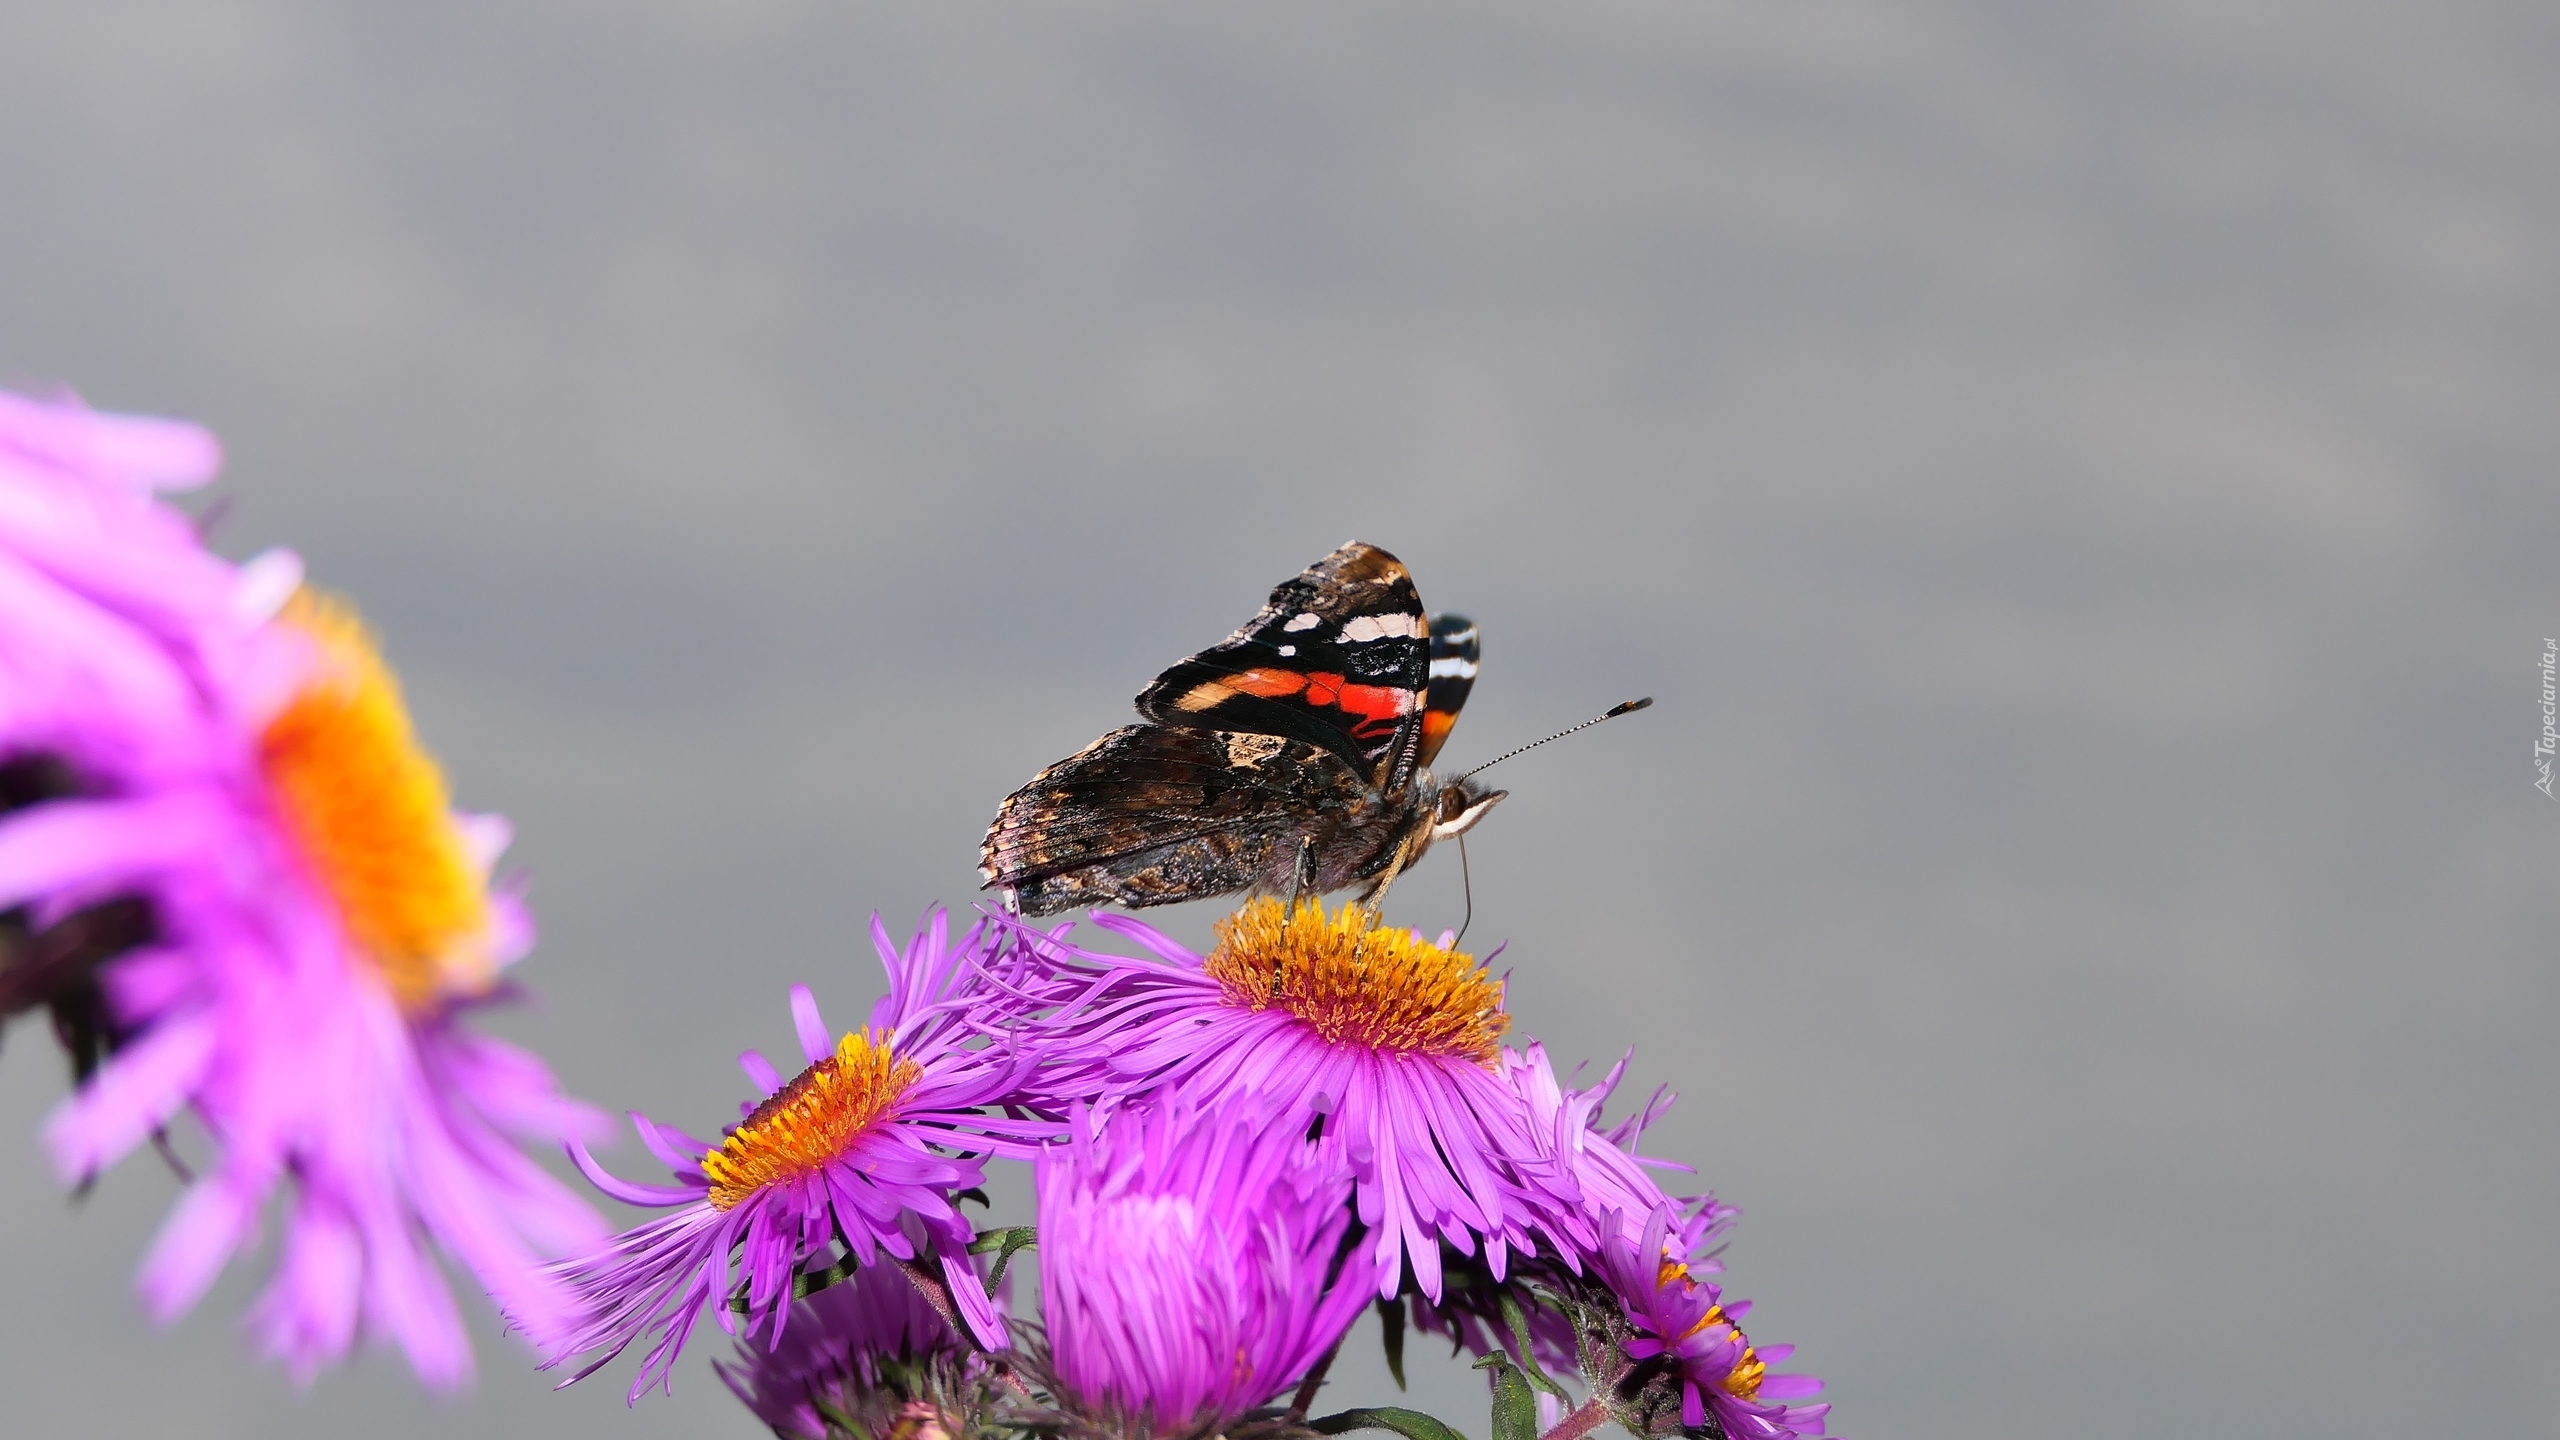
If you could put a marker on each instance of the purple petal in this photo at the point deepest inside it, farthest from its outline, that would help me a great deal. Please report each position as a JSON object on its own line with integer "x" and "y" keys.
{"x": 672, "y": 1149}
{"x": 136, "y": 450}
{"x": 135, "y": 1094}
{"x": 1790, "y": 1387}
{"x": 214, "y": 1219}
{"x": 815, "y": 1041}
{"x": 307, "y": 1317}
{"x": 624, "y": 1190}
{"x": 98, "y": 843}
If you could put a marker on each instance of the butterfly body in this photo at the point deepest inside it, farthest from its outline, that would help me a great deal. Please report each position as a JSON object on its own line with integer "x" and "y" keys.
{"x": 1291, "y": 758}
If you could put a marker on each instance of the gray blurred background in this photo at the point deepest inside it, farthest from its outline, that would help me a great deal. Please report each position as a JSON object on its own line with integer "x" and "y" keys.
{"x": 2077, "y": 478}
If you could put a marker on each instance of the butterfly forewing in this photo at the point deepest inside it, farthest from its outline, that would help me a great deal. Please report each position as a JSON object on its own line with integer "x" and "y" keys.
{"x": 1339, "y": 657}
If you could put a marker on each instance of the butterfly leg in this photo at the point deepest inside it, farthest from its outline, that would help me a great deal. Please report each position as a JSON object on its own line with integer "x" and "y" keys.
{"x": 1375, "y": 897}
{"x": 1303, "y": 881}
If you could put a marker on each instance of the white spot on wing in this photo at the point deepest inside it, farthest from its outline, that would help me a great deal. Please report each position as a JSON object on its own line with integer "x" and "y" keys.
{"x": 1382, "y": 627}
{"x": 1307, "y": 621}
{"x": 1288, "y": 649}
{"x": 1448, "y": 665}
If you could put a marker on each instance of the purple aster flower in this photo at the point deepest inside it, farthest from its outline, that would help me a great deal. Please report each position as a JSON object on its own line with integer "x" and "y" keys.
{"x": 1185, "y": 1256}
{"x": 1613, "y": 1196}
{"x": 1390, "y": 1040}
{"x": 228, "y": 868}
{"x": 1604, "y": 1180}
{"x": 1682, "y": 1319}
{"x": 1652, "y": 1252}
{"x": 851, "y": 1349}
{"x": 882, "y": 1128}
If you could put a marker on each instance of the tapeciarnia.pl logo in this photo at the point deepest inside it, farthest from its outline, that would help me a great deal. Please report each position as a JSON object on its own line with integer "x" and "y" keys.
{"x": 2550, "y": 741}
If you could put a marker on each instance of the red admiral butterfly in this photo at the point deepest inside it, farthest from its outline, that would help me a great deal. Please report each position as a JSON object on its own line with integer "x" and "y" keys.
{"x": 1293, "y": 758}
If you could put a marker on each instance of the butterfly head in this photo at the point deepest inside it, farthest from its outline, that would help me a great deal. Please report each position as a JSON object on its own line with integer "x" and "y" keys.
{"x": 1459, "y": 804}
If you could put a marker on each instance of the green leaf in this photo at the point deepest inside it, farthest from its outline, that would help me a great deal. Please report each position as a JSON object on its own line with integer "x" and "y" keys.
{"x": 1518, "y": 1320}
{"x": 1391, "y": 1330}
{"x": 1003, "y": 1244}
{"x": 1515, "y": 1405}
{"x": 837, "y": 1417}
{"x": 804, "y": 1283}
{"x": 1411, "y": 1424}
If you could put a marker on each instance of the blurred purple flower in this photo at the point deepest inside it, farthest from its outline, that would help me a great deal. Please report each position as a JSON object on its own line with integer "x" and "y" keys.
{"x": 885, "y": 1124}
{"x": 225, "y": 861}
{"x": 1184, "y": 1255}
{"x": 1681, "y": 1317}
{"x": 1390, "y": 1040}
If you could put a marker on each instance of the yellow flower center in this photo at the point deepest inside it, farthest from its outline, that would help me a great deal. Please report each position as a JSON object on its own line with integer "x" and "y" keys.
{"x": 810, "y": 1121}
{"x": 1742, "y": 1382}
{"x": 1355, "y": 983}
{"x": 369, "y": 810}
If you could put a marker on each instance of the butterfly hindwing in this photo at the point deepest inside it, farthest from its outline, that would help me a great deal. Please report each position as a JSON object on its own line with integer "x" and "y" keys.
{"x": 1151, "y": 814}
{"x": 1456, "y": 652}
{"x": 1340, "y": 657}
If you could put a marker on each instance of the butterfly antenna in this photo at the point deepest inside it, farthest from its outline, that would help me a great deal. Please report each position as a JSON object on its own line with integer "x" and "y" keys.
{"x": 1468, "y": 882}
{"x": 1623, "y": 707}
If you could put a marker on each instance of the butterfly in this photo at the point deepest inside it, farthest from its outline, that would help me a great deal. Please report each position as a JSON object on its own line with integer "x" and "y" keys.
{"x": 1292, "y": 758}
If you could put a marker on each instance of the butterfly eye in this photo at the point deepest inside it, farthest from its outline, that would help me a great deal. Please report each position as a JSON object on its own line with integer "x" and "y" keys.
{"x": 1459, "y": 808}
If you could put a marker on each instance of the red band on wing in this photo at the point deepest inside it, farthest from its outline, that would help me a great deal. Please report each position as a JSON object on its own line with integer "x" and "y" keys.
{"x": 1380, "y": 707}
{"x": 1378, "y": 702}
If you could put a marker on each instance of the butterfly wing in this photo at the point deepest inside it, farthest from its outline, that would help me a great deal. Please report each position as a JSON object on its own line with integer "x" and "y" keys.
{"x": 1455, "y": 653}
{"x": 1154, "y": 814}
{"x": 1340, "y": 657}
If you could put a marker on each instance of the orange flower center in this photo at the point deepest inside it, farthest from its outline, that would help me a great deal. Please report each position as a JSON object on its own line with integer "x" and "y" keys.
{"x": 1742, "y": 1382}
{"x": 368, "y": 809}
{"x": 1355, "y": 983}
{"x": 811, "y": 1121}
